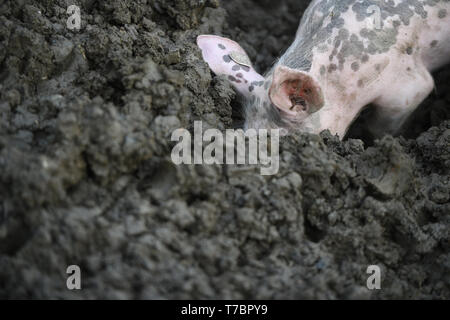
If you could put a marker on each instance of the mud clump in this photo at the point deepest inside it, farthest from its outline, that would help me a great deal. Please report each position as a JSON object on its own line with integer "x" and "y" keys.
{"x": 86, "y": 176}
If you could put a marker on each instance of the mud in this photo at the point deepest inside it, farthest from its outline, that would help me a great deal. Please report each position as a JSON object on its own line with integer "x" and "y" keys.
{"x": 86, "y": 176}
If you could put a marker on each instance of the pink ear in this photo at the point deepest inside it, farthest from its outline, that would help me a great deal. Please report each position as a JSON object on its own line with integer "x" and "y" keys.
{"x": 226, "y": 57}
{"x": 295, "y": 92}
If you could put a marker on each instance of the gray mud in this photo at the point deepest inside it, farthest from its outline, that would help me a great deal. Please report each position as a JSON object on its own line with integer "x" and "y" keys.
{"x": 86, "y": 176}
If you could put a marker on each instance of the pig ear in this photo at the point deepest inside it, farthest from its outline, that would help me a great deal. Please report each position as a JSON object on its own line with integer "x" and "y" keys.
{"x": 295, "y": 92}
{"x": 226, "y": 57}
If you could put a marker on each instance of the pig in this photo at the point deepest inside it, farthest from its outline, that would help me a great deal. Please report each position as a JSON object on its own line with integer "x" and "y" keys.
{"x": 346, "y": 55}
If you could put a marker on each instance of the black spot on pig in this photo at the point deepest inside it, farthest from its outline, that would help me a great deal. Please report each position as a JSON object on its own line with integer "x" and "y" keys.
{"x": 251, "y": 88}
{"x": 355, "y": 66}
{"x": 227, "y": 58}
{"x": 332, "y": 67}
{"x": 239, "y": 75}
{"x": 343, "y": 34}
{"x": 360, "y": 83}
{"x": 236, "y": 67}
{"x": 232, "y": 79}
{"x": 337, "y": 43}
{"x": 433, "y": 43}
{"x": 245, "y": 68}
{"x": 333, "y": 53}
{"x": 221, "y": 46}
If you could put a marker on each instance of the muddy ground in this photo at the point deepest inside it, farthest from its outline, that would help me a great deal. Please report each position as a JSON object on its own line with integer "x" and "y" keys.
{"x": 86, "y": 176}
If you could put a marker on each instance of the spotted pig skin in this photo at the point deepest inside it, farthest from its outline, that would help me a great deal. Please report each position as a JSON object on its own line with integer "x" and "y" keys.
{"x": 346, "y": 55}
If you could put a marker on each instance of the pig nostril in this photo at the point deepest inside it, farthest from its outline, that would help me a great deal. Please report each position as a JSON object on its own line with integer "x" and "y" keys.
{"x": 298, "y": 101}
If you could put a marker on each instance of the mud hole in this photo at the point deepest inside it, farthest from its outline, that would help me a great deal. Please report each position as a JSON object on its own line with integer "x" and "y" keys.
{"x": 87, "y": 179}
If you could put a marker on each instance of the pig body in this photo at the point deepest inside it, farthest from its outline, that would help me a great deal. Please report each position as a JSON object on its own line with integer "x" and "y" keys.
{"x": 346, "y": 54}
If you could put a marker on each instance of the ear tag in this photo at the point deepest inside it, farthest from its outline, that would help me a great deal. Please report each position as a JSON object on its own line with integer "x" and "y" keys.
{"x": 240, "y": 58}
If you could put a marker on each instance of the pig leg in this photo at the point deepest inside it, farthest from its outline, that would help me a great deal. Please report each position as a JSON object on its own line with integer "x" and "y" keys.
{"x": 399, "y": 100}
